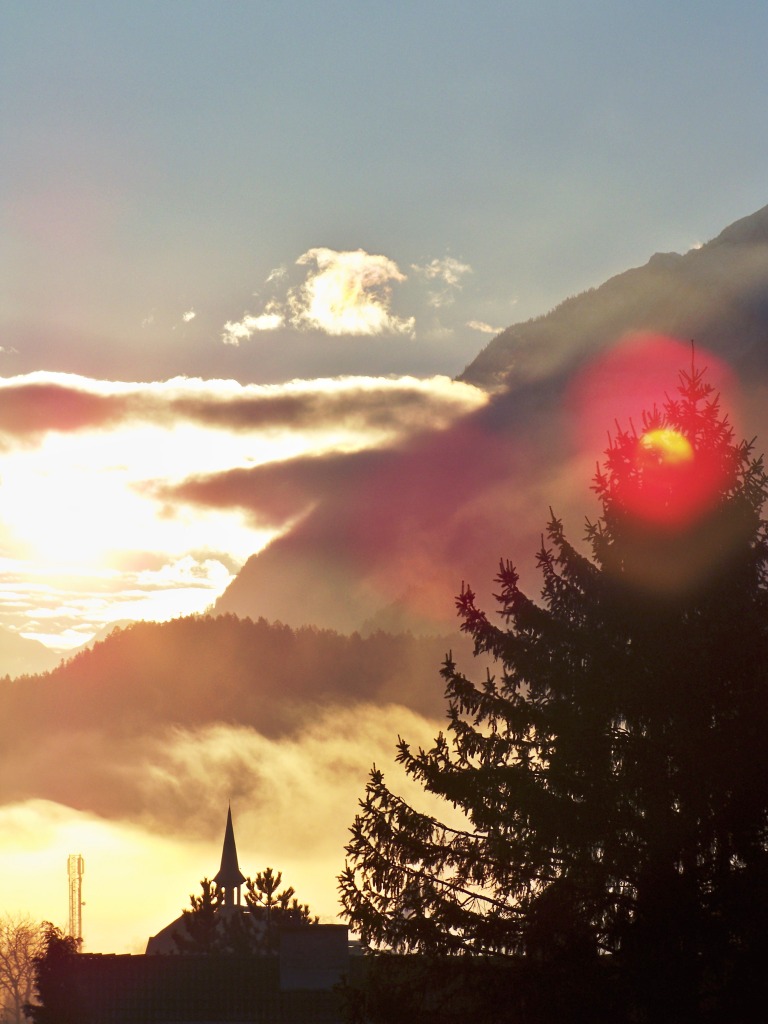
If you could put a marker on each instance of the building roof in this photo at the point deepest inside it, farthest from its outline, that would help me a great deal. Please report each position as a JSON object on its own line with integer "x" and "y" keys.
{"x": 229, "y": 876}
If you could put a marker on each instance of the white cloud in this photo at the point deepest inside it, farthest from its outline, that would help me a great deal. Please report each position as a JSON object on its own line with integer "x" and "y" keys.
{"x": 278, "y": 274}
{"x": 348, "y": 293}
{"x": 342, "y": 293}
{"x": 242, "y": 330}
{"x": 447, "y": 273}
{"x": 484, "y": 328}
{"x": 189, "y": 315}
{"x": 84, "y": 536}
{"x": 448, "y": 270}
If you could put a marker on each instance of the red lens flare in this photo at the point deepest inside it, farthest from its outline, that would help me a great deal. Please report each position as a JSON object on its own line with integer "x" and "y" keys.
{"x": 667, "y": 481}
{"x": 658, "y": 469}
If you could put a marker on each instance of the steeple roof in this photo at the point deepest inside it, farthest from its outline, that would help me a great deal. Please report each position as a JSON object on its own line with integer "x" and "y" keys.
{"x": 230, "y": 875}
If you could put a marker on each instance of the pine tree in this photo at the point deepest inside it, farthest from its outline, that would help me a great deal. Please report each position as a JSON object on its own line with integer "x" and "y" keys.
{"x": 262, "y": 894}
{"x": 201, "y": 930}
{"x": 275, "y": 908}
{"x": 208, "y": 926}
{"x": 613, "y": 773}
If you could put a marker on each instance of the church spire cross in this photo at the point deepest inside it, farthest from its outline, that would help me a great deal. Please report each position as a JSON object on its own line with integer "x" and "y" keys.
{"x": 230, "y": 877}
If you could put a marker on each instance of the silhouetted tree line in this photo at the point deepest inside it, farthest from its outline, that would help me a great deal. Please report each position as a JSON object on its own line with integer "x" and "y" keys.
{"x": 610, "y": 862}
{"x": 201, "y": 669}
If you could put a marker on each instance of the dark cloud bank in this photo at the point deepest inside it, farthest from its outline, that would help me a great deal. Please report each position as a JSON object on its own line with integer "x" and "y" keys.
{"x": 30, "y": 408}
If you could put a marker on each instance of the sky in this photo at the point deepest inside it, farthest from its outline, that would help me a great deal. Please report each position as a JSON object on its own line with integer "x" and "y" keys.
{"x": 236, "y": 234}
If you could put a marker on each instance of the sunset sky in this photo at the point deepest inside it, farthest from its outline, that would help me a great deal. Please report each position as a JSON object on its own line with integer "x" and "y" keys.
{"x": 235, "y": 234}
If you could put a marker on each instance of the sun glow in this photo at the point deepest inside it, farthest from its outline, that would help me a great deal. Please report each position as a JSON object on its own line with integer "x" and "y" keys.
{"x": 670, "y": 484}
{"x": 666, "y": 447}
{"x": 75, "y": 502}
{"x": 93, "y": 527}
{"x": 667, "y": 476}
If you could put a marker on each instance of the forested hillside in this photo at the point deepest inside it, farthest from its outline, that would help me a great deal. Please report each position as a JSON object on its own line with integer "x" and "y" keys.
{"x": 204, "y": 669}
{"x": 108, "y": 709}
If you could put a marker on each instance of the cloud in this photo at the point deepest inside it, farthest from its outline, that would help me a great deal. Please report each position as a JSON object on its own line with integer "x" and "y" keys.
{"x": 162, "y": 803}
{"x": 447, "y": 269}
{"x": 447, "y": 272}
{"x": 188, "y": 571}
{"x": 64, "y": 608}
{"x": 345, "y": 293}
{"x": 348, "y": 293}
{"x": 36, "y": 404}
{"x": 484, "y": 328}
{"x": 271, "y": 494}
{"x": 277, "y": 274}
{"x": 242, "y": 330}
{"x": 189, "y": 315}
{"x": 395, "y": 528}
{"x": 137, "y": 500}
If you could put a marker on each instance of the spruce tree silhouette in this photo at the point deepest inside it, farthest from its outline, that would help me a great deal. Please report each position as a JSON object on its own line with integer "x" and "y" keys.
{"x": 613, "y": 773}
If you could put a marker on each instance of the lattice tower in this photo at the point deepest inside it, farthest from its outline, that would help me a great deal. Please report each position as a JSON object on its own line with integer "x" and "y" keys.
{"x": 75, "y": 869}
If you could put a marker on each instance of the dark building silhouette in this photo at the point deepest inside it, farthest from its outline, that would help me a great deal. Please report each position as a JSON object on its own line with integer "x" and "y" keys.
{"x": 229, "y": 880}
{"x": 296, "y": 983}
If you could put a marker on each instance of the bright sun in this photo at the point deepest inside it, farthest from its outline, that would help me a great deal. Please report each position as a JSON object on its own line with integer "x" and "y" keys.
{"x": 668, "y": 447}
{"x": 74, "y": 502}
{"x": 61, "y": 516}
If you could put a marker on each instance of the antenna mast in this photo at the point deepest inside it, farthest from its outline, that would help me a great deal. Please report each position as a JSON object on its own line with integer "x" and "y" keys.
{"x": 75, "y": 869}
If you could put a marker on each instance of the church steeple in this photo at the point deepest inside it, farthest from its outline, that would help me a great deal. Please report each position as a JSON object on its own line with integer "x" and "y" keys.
{"x": 230, "y": 877}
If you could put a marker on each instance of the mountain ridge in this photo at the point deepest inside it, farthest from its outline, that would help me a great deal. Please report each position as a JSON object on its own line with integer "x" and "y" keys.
{"x": 447, "y": 508}
{"x": 660, "y": 296}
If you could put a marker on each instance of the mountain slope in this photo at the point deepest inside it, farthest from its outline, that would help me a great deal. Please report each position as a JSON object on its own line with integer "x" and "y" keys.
{"x": 717, "y": 294}
{"x": 103, "y": 713}
{"x": 407, "y": 526}
{"x": 20, "y": 656}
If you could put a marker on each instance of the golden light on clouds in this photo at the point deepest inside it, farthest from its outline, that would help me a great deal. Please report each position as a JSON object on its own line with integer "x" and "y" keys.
{"x": 293, "y": 799}
{"x": 90, "y": 530}
{"x": 350, "y": 293}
